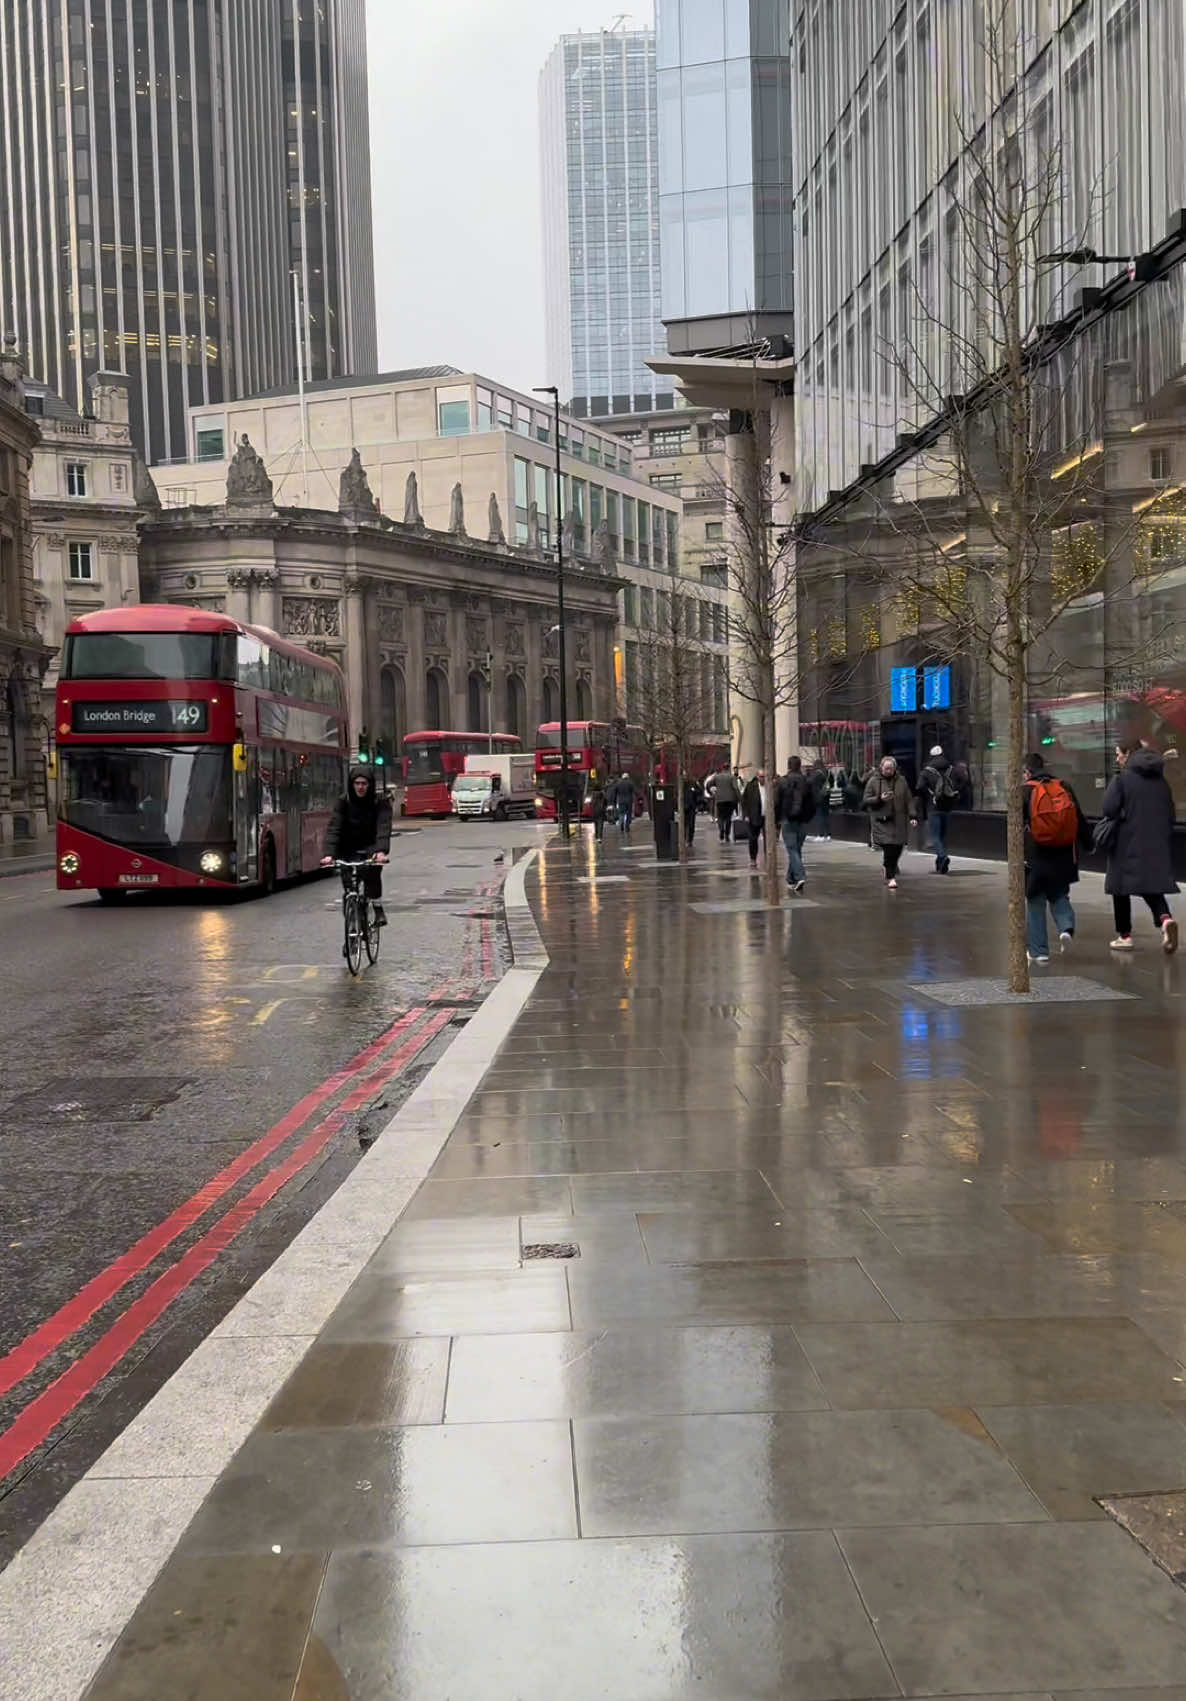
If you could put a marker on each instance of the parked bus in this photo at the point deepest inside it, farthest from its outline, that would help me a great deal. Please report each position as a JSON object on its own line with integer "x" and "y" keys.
{"x": 432, "y": 761}
{"x": 596, "y": 749}
{"x": 192, "y": 751}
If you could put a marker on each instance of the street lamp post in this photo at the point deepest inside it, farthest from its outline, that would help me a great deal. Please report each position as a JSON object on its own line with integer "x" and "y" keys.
{"x": 551, "y": 390}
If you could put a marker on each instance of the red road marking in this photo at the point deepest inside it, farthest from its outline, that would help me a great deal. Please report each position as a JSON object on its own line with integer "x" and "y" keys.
{"x": 24, "y": 1358}
{"x": 43, "y": 1414}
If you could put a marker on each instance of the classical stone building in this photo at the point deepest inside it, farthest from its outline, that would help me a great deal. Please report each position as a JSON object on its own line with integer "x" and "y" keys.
{"x": 89, "y": 488}
{"x": 23, "y": 655}
{"x": 431, "y": 627}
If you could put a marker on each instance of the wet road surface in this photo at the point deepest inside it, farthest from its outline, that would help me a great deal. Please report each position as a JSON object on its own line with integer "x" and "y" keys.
{"x": 182, "y": 1083}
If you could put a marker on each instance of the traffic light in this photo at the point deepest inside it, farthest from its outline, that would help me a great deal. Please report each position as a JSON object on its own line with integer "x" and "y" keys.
{"x": 364, "y": 746}
{"x": 380, "y": 753}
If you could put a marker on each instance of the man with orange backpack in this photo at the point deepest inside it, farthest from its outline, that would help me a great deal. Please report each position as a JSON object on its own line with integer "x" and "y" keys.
{"x": 1055, "y": 827}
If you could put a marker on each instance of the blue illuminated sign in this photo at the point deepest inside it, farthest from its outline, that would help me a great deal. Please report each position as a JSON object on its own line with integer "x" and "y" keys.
{"x": 903, "y": 690}
{"x": 936, "y": 688}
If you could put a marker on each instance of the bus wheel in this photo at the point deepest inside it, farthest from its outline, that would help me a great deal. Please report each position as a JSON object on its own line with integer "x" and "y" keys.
{"x": 267, "y": 878}
{"x": 112, "y": 894}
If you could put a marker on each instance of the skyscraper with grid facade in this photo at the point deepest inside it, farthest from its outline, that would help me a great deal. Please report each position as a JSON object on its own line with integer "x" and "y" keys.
{"x": 599, "y": 162}
{"x": 165, "y": 166}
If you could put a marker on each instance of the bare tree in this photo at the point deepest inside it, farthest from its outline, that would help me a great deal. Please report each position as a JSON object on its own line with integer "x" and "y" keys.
{"x": 996, "y": 522}
{"x": 675, "y": 696}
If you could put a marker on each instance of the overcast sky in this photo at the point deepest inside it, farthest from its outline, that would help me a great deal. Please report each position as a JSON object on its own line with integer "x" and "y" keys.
{"x": 455, "y": 177}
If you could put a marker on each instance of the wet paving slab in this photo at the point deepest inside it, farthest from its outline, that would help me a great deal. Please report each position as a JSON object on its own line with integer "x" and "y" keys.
{"x": 876, "y": 1309}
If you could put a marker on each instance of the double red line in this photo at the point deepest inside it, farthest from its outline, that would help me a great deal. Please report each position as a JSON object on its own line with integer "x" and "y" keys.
{"x": 379, "y": 1064}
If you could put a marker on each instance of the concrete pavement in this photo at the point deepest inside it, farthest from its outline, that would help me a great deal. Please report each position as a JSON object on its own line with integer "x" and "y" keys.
{"x": 780, "y": 1309}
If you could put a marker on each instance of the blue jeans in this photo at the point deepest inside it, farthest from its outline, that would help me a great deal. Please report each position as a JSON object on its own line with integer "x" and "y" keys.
{"x": 939, "y": 823}
{"x": 1064, "y": 919}
{"x": 793, "y": 835}
{"x": 625, "y": 816}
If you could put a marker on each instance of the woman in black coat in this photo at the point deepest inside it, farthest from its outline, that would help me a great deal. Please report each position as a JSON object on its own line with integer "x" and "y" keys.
{"x": 891, "y": 810}
{"x": 1140, "y": 856}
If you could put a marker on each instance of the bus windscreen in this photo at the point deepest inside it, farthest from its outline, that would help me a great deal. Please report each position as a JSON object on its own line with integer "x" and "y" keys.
{"x": 147, "y": 655}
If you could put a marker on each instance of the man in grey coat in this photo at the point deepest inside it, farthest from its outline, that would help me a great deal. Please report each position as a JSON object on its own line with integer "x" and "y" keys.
{"x": 1140, "y": 806}
{"x": 726, "y": 795}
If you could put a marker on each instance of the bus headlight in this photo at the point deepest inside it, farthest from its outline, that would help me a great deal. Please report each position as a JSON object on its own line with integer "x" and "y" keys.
{"x": 211, "y": 862}
{"x": 70, "y": 863}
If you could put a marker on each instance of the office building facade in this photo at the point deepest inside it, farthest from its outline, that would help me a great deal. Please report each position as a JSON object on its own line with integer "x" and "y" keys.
{"x": 890, "y": 326}
{"x": 724, "y": 97}
{"x": 151, "y": 222}
{"x": 599, "y": 184}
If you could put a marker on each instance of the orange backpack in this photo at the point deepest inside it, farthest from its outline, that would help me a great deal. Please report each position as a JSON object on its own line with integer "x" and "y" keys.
{"x": 1054, "y": 820}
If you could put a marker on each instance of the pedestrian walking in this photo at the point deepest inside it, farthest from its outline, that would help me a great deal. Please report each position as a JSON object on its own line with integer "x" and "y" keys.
{"x": 1139, "y": 807}
{"x": 794, "y": 806}
{"x": 599, "y": 807}
{"x": 725, "y": 796}
{"x": 623, "y": 800}
{"x": 938, "y": 794}
{"x": 693, "y": 797}
{"x": 1055, "y": 827}
{"x": 753, "y": 809}
{"x": 822, "y": 788}
{"x": 891, "y": 808}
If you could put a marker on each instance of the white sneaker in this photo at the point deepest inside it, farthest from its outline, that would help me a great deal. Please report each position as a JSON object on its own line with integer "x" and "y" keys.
{"x": 892, "y": 884}
{"x": 1039, "y": 959}
{"x": 1120, "y": 943}
{"x": 1065, "y": 941}
{"x": 1169, "y": 936}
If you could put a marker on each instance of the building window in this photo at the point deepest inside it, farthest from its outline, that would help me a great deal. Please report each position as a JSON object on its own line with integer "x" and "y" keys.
{"x": 1159, "y": 465}
{"x": 82, "y": 562}
{"x": 714, "y": 531}
{"x": 453, "y": 419}
{"x": 668, "y": 442}
{"x": 76, "y": 478}
{"x": 210, "y": 444}
{"x": 666, "y": 481}
{"x": 119, "y": 476}
{"x": 713, "y": 573}
{"x": 35, "y": 405}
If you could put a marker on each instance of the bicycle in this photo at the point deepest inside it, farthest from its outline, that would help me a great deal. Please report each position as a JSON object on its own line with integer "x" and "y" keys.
{"x": 358, "y": 920}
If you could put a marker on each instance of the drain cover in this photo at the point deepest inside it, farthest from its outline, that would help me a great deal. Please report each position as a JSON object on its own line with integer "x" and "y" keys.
{"x": 98, "y": 1098}
{"x": 551, "y": 1249}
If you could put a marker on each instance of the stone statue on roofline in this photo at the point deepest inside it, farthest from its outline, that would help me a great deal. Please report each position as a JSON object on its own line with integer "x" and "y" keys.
{"x": 497, "y": 534}
{"x": 457, "y": 511}
{"x": 247, "y": 481}
{"x": 412, "y": 514}
{"x": 354, "y": 492}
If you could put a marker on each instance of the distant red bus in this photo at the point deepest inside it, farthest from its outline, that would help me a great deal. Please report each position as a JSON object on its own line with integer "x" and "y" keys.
{"x": 595, "y": 749}
{"x": 706, "y": 756}
{"x": 192, "y": 751}
{"x": 432, "y": 760}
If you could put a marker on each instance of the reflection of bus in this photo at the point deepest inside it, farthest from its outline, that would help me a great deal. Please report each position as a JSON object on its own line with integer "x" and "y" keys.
{"x": 706, "y": 756}
{"x": 432, "y": 761}
{"x": 1078, "y": 733}
{"x": 192, "y": 751}
{"x": 854, "y": 746}
{"x": 595, "y": 748}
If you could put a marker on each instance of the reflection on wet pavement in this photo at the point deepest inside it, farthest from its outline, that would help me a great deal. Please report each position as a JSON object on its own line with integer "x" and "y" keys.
{"x": 876, "y": 1300}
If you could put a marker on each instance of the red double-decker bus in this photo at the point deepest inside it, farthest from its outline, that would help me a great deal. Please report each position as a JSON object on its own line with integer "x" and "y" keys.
{"x": 432, "y": 760}
{"x": 598, "y": 749}
{"x": 192, "y": 751}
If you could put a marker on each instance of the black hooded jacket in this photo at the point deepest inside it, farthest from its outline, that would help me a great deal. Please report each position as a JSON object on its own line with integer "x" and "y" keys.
{"x": 1139, "y": 800}
{"x": 359, "y": 826}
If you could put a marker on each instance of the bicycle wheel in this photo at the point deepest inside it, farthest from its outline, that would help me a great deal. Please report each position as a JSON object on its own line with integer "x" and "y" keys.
{"x": 353, "y": 933}
{"x": 370, "y": 932}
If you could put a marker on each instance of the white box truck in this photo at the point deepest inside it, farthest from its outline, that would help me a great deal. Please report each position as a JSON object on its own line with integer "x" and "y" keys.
{"x": 495, "y": 787}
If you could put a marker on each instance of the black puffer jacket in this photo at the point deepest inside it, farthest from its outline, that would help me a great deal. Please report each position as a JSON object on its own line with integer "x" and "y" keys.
{"x": 1139, "y": 800}
{"x": 359, "y": 826}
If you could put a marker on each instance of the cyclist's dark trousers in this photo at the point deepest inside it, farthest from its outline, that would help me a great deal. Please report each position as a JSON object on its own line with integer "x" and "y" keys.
{"x": 371, "y": 880}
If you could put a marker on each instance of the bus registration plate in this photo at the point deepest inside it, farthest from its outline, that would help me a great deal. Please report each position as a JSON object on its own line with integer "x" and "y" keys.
{"x": 139, "y": 879}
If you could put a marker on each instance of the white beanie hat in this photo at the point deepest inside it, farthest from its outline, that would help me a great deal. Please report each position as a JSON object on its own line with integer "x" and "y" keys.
{"x": 936, "y": 750}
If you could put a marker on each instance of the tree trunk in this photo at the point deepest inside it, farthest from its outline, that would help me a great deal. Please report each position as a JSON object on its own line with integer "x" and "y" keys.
{"x": 1019, "y": 976}
{"x": 773, "y": 893}
{"x": 681, "y": 842}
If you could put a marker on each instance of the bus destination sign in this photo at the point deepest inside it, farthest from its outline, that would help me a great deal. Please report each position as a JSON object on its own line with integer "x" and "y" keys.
{"x": 140, "y": 717}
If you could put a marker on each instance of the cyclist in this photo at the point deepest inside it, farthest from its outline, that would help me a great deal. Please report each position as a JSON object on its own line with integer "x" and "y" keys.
{"x": 361, "y": 827}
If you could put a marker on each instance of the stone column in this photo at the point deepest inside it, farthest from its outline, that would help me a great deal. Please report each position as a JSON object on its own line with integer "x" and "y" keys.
{"x": 783, "y": 507}
{"x": 354, "y": 657}
{"x": 459, "y": 670}
{"x": 534, "y": 673}
{"x": 238, "y": 595}
{"x": 744, "y": 485}
{"x": 415, "y": 668}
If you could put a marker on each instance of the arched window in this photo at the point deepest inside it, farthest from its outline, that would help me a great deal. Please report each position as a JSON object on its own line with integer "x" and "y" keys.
{"x": 516, "y": 706}
{"x": 584, "y": 700}
{"x": 551, "y": 699}
{"x": 393, "y": 707}
{"x": 476, "y": 694}
{"x": 436, "y": 694}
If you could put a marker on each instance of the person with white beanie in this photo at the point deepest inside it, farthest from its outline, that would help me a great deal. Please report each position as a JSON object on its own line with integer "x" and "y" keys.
{"x": 938, "y": 794}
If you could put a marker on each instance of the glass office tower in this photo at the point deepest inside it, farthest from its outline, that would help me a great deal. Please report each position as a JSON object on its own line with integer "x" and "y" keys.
{"x": 599, "y": 171}
{"x": 150, "y": 221}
